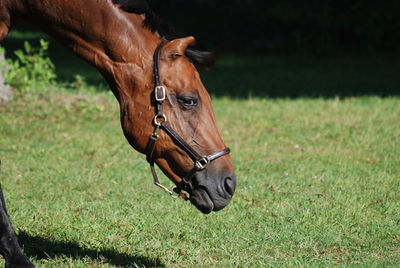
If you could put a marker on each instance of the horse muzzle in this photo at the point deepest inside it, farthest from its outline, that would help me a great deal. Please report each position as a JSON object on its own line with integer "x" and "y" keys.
{"x": 212, "y": 191}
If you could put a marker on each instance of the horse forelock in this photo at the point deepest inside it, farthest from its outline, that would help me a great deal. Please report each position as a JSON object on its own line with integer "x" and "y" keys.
{"x": 155, "y": 24}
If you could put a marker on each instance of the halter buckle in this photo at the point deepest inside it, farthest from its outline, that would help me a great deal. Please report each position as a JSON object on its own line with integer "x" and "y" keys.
{"x": 159, "y": 93}
{"x": 154, "y": 135}
{"x": 202, "y": 162}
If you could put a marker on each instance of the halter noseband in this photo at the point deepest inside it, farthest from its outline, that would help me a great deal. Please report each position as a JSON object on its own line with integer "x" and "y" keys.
{"x": 160, "y": 121}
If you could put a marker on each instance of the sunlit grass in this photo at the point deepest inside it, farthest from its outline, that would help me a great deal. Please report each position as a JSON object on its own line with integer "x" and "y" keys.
{"x": 318, "y": 185}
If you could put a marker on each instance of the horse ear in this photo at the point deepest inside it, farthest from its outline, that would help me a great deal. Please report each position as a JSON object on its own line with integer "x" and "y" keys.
{"x": 177, "y": 47}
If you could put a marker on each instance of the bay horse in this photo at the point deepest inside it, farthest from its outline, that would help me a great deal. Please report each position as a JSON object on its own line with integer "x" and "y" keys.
{"x": 165, "y": 110}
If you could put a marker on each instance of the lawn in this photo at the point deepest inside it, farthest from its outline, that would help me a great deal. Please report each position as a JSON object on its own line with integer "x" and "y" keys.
{"x": 318, "y": 176}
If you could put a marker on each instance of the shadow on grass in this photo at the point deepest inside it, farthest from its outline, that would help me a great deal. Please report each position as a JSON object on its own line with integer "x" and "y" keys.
{"x": 43, "y": 248}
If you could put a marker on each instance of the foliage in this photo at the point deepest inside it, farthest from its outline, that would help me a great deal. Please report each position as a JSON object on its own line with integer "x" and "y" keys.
{"x": 31, "y": 69}
{"x": 79, "y": 83}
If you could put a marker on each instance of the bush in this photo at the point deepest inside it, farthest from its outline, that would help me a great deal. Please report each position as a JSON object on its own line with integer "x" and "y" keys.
{"x": 31, "y": 69}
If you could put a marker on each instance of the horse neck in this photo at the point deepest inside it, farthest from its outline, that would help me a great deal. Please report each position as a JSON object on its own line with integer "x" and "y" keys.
{"x": 97, "y": 31}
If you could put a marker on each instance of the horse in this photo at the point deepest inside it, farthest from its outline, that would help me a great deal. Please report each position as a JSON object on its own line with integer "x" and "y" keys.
{"x": 165, "y": 110}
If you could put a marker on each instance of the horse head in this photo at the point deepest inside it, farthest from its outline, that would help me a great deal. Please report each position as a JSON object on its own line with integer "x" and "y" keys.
{"x": 187, "y": 109}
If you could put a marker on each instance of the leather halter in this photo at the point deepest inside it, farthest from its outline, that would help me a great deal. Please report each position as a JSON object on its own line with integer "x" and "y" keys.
{"x": 160, "y": 122}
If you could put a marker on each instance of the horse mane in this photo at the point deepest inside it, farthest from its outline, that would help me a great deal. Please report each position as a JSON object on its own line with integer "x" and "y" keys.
{"x": 155, "y": 24}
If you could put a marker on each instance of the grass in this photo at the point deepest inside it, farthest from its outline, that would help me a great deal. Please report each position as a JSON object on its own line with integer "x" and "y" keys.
{"x": 318, "y": 178}
{"x": 318, "y": 184}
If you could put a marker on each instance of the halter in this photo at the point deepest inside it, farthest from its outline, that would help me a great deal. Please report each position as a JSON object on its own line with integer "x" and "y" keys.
{"x": 160, "y": 122}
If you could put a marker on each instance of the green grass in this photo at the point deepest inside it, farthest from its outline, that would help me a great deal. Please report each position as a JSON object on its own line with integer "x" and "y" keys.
{"x": 318, "y": 178}
{"x": 318, "y": 185}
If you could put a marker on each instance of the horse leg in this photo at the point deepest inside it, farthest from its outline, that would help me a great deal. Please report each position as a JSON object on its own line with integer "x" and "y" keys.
{"x": 9, "y": 247}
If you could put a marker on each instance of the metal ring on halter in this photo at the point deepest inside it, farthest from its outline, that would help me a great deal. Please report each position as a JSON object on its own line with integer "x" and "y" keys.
{"x": 174, "y": 196}
{"x": 157, "y": 117}
{"x": 171, "y": 193}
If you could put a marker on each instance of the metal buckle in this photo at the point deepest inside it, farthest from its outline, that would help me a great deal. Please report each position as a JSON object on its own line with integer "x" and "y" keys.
{"x": 154, "y": 135}
{"x": 159, "y": 116}
{"x": 159, "y": 93}
{"x": 202, "y": 162}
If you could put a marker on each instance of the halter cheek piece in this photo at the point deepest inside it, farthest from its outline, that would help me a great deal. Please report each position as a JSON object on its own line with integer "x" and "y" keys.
{"x": 160, "y": 122}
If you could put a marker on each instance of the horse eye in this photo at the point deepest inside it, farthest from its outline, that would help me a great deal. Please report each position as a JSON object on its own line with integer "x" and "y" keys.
{"x": 189, "y": 102}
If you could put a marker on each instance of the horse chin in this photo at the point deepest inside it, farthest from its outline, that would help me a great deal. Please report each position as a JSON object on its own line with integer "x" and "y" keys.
{"x": 201, "y": 200}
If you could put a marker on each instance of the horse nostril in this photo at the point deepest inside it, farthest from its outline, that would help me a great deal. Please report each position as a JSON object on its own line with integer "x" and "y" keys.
{"x": 229, "y": 185}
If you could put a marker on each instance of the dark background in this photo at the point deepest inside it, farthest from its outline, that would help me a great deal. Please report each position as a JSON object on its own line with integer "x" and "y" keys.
{"x": 271, "y": 48}
{"x": 287, "y": 26}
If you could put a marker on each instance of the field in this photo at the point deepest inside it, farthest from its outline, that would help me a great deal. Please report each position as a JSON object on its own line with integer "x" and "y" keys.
{"x": 318, "y": 171}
